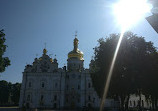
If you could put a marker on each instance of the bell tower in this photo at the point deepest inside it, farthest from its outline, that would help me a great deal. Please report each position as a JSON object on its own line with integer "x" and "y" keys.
{"x": 75, "y": 57}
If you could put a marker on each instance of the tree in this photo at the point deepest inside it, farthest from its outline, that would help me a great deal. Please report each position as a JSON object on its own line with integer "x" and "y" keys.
{"x": 131, "y": 70}
{"x": 9, "y": 93}
{"x": 4, "y": 61}
{"x": 15, "y": 93}
{"x": 4, "y": 92}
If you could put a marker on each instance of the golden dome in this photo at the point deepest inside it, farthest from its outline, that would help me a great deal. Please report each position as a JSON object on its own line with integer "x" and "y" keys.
{"x": 44, "y": 51}
{"x": 51, "y": 60}
{"x": 76, "y": 53}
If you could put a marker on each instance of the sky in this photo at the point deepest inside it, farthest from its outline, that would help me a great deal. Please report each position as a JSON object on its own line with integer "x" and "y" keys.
{"x": 29, "y": 24}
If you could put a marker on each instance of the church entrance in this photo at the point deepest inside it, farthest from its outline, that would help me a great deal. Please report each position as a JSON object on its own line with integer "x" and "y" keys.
{"x": 72, "y": 104}
{"x": 55, "y": 105}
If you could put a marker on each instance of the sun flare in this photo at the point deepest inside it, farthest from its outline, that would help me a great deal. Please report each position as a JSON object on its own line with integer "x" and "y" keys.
{"x": 129, "y": 12}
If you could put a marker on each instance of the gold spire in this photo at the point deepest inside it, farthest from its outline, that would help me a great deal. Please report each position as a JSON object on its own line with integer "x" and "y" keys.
{"x": 75, "y": 44}
{"x": 76, "y": 53}
{"x": 45, "y": 50}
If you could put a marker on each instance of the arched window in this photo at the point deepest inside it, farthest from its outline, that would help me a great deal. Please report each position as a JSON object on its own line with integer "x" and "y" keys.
{"x": 89, "y": 85}
{"x": 67, "y": 87}
{"x": 43, "y": 85}
{"x": 138, "y": 102}
{"x": 42, "y": 97}
{"x": 134, "y": 103}
{"x": 55, "y": 105}
{"x": 93, "y": 100}
{"x": 89, "y": 98}
{"x": 142, "y": 103}
{"x": 55, "y": 97}
{"x": 67, "y": 100}
{"x": 78, "y": 100}
{"x": 147, "y": 103}
{"x": 56, "y": 85}
{"x": 89, "y": 105}
{"x": 130, "y": 102}
{"x": 28, "y": 97}
{"x": 78, "y": 86}
{"x": 30, "y": 85}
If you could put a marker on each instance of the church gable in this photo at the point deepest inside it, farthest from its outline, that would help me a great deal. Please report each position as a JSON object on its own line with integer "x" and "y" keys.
{"x": 42, "y": 64}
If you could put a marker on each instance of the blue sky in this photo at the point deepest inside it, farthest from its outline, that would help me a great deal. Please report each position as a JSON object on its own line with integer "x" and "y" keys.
{"x": 29, "y": 24}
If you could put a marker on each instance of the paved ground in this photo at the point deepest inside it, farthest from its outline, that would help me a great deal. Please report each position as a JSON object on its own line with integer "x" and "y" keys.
{"x": 17, "y": 109}
{"x": 9, "y": 109}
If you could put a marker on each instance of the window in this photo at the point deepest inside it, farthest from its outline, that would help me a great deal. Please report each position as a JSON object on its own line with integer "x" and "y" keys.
{"x": 67, "y": 100}
{"x": 30, "y": 85}
{"x": 138, "y": 102}
{"x": 56, "y": 85}
{"x": 42, "y": 97}
{"x": 55, "y": 97}
{"x": 130, "y": 103}
{"x": 89, "y": 98}
{"x": 78, "y": 100}
{"x": 28, "y": 97}
{"x": 67, "y": 87}
{"x": 142, "y": 103}
{"x": 147, "y": 103}
{"x": 55, "y": 105}
{"x": 134, "y": 103}
{"x": 89, "y": 85}
{"x": 89, "y": 105}
{"x": 93, "y": 100}
{"x": 42, "y": 84}
{"x": 78, "y": 86}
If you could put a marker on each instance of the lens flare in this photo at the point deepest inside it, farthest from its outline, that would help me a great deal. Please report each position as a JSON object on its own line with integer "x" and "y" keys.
{"x": 110, "y": 72}
{"x": 129, "y": 12}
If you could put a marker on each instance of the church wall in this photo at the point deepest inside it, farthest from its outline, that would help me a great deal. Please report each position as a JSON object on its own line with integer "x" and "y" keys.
{"x": 51, "y": 88}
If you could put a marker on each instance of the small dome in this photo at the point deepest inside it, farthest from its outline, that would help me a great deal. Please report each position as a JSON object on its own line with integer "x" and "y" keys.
{"x": 51, "y": 60}
{"x": 44, "y": 51}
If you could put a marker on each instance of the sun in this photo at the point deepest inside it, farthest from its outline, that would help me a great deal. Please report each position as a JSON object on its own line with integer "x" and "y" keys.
{"x": 129, "y": 12}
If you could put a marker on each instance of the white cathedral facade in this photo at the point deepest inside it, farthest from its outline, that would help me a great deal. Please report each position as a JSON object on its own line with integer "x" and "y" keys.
{"x": 44, "y": 85}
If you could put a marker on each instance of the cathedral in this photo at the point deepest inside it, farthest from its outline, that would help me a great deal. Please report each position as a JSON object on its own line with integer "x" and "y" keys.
{"x": 44, "y": 85}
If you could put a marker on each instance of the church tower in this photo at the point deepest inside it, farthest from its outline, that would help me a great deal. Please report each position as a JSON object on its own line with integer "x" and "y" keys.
{"x": 75, "y": 57}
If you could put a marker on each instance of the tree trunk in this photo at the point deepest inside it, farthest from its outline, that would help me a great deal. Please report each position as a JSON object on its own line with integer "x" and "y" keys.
{"x": 126, "y": 103}
{"x": 155, "y": 103}
{"x": 122, "y": 103}
{"x": 140, "y": 101}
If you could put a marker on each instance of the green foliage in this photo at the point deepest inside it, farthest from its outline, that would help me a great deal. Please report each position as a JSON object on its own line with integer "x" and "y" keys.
{"x": 15, "y": 91}
{"x": 4, "y": 61}
{"x": 9, "y": 93}
{"x": 135, "y": 70}
{"x": 4, "y": 92}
